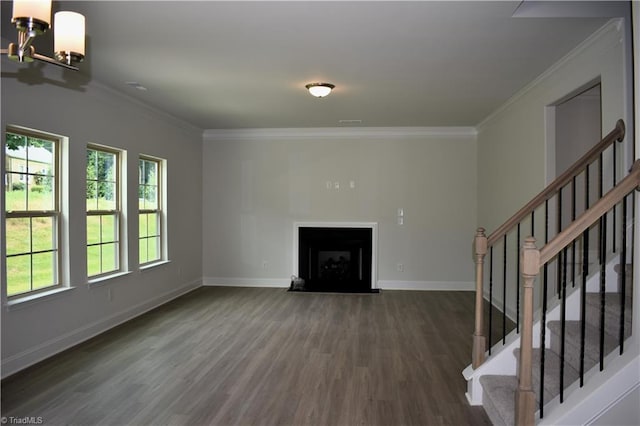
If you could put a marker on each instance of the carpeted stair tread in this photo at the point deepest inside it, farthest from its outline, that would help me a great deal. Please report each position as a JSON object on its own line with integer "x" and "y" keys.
{"x": 498, "y": 398}
{"x": 628, "y": 269}
{"x": 628, "y": 277}
{"x": 572, "y": 345}
{"x": 611, "y": 313}
{"x": 551, "y": 373}
{"x": 499, "y": 390}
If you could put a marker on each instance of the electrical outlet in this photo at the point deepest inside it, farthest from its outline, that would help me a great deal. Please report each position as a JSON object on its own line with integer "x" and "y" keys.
{"x": 400, "y": 267}
{"x": 109, "y": 295}
{"x": 265, "y": 264}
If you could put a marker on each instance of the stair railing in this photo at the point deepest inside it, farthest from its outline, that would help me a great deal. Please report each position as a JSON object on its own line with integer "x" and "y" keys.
{"x": 533, "y": 260}
{"x": 485, "y": 331}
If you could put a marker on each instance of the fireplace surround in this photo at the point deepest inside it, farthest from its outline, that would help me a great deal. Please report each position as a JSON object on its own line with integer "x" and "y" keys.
{"x": 336, "y": 256}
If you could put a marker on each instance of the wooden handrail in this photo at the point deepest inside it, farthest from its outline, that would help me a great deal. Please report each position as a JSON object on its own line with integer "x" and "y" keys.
{"x": 532, "y": 260}
{"x": 616, "y": 135}
{"x": 482, "y": 242}
{"x": 589, "y": 217}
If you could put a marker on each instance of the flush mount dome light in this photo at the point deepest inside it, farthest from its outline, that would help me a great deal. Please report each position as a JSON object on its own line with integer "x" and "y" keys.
{"x": 320, "y": 90}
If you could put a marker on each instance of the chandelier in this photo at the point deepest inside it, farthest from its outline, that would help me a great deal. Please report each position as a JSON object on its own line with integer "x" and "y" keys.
{"x": 33, "y": 18}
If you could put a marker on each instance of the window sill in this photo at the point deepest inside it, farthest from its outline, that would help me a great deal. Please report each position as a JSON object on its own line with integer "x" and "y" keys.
{"x": 98, "y": 281}
{"x": 149, "y": 266}
{"x": 32, "y": 299}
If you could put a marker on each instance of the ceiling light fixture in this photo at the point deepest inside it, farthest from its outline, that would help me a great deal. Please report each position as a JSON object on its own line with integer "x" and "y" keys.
{"x": 33, "y": 18}
{"x": 320, "y": 90}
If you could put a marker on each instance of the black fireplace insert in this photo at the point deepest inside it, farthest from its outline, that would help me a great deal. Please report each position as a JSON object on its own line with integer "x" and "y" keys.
{"x": 335, "y": 259}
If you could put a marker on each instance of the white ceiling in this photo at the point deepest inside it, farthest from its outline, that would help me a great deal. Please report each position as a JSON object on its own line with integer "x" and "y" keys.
{"x": 239, "y": 64}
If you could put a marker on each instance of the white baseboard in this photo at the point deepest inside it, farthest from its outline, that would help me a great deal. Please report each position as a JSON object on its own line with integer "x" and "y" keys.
{"x": 29, "y": 357}
{"x": 427, "y": 285}
{"x": 388, "y": 285}
{"x": 246, "y": 282}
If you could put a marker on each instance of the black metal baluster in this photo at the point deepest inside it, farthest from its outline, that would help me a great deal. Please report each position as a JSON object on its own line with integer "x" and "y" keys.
{"x": 623, "y": 271}
{"x": 602, "y": 248}
{"x": 490, "y": 299}
{"x": 559, "y": 227}
{"x": 543, "y": 324}
{"x": 603, "y": 282}
{"x": 600, "y": 177}
{"x": 563, "y": 313}
{"x": 543, "y": 336}
{"x": 615, "y": 169}
{"x": 504, "y": 289}
{"x": 573, "y": 244}
{"x": 518, "y": 282}
{"x": 546, "y": 239}
{"x": 585, "y": 274}
{"x": 533, "y": 224}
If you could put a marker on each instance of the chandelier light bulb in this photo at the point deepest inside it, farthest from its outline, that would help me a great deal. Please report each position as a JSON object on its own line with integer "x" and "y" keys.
{"x": 69, "y": 35}
{"x": 32, "y": 15}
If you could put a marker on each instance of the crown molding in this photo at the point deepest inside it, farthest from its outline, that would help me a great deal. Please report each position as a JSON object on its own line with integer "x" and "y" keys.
{"x": 331, "y": 133}
{"x": 614, "y": 26}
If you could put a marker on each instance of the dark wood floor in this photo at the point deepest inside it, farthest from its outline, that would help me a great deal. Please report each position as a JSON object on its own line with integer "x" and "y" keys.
{"x": 248, "y": 356}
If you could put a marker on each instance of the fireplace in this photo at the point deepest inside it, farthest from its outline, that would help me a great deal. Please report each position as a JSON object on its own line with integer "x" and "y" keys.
{"x": 335, "y": 259}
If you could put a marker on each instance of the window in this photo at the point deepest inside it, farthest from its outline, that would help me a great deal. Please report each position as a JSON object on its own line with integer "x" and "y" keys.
{"x": 32, "y": 211}
{"x": 103, "y": 211}
{"x": 149, "y": 208}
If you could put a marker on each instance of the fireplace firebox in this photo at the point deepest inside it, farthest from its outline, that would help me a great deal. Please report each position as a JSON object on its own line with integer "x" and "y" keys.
{"x": 335, "y": 259}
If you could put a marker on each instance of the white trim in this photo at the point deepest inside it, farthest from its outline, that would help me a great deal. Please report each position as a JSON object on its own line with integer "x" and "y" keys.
{"x": 121, "y": 93}
{"x": 151, "y": 265}
{"x": 155, "y": 112}
{"x": 104, "y": 279}
{"x": 385, "y": 285}
{"x": 32, "y": 298}
{"x": 246, "y": 282}
{"x": 313, "y": 133}
{"x": 374, "y": 242}
{"x": 14, "y": 363}
{"x": 427, "y": 285}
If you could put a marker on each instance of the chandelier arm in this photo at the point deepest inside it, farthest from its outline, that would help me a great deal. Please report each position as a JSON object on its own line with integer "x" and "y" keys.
{"x": 25, "y": 39}
{"x": 54, "y": 62}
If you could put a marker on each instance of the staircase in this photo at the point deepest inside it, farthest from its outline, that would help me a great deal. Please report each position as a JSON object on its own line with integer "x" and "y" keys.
{"x": 549, "y": 320}
{"x": 499, "y": 390}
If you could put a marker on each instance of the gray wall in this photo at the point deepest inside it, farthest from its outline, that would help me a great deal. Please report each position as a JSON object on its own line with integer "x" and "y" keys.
{"x": 85, "y": 112}
{"x": 258, "y": 183}
{"x": 514, "y": 141}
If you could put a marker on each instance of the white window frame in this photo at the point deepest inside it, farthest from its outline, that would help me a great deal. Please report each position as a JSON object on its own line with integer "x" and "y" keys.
{"x": 159, "y": 211}
{"x": 54, "y": 214}
{"x": 116, "y": 213}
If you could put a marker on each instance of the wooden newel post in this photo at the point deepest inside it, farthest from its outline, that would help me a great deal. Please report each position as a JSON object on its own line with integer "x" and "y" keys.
{"x": 479, "y": 341}
{"x": 525, "y": 399}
